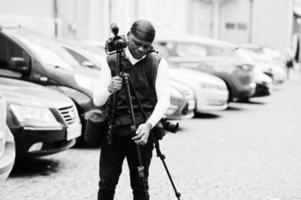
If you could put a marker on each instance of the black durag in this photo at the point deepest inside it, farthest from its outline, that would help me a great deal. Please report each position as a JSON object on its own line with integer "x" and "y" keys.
{"x": 143, "y": 30}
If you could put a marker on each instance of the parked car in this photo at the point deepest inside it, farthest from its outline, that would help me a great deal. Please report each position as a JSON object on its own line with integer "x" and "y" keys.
{"x": 180, "y": 107}
{"x": 33, "y": 57}
{"x": 7, "y": 143}
{"x": 43, "y": 121}
{"x": 211, "y": 56}
{"x": 265, "y": 54}
{"x": 269, "y": 63}
{"x": 211, "y": 92}
{"x": 264, "y": 84}
{"x": 182, "y": 97}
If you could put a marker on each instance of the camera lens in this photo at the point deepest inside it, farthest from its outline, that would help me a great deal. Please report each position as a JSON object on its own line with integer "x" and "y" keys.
{"x": 171, "y": 127}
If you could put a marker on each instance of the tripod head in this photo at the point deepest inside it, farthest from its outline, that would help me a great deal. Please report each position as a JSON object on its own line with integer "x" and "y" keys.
{"x": 117, "y": 43}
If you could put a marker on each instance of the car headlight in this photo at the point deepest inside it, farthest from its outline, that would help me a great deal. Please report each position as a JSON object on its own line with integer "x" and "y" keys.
{"x": 209, "y": 86}
{"x": 187, "y": 94}
{"x": 245, "y": 67}
{"x": 34, "y": 116}
{"x": 205, "y": 85}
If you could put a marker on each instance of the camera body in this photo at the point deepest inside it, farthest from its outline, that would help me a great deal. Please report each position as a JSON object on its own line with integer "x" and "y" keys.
{"x": 164, "y": 126}
{"x": 116, "y": 43}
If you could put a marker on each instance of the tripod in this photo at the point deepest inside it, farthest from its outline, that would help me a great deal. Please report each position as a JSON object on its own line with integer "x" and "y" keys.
{"x": 128, "y": 88}
{"x": 156, "y": 141}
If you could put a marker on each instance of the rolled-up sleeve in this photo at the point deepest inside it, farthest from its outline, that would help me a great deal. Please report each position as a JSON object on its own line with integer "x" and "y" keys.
{"x": 100, "y": 86}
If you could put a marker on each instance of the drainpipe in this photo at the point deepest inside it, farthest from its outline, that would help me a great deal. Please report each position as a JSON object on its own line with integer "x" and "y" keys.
{"x": 55, "y": 16}
{"x": 250, "y": 22}
{"x": 110, "y": 14}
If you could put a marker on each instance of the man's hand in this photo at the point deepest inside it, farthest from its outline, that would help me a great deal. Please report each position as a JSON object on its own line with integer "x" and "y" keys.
{"x": 142, "y": 133}
{"x": 116, "y": 84}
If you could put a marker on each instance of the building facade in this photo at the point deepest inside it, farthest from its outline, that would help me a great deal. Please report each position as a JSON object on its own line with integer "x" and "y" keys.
{"x": 267, "y": 22}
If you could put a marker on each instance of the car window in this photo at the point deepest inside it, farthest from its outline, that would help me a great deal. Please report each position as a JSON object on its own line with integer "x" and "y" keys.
{"x": 162, "y": 50}
{"x": 40, "y": 43}
{"x": 10, "y": 49}
{"x": 214, "y": 50}
{"x": 221, "y": 51}
{"x": 187, "y": 50}
{"x": 48, "y": 56}
{"x": 91, "y": 48}
{"x": 80, "y": 58}
{"x": 166, "y": 49}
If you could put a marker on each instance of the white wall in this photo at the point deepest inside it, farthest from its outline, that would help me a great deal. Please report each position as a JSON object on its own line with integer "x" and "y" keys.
{"x": 269, "y": 22}
{"x": 235, "y": 21}
{"x": 29, "y": 8}
{"x": 122, "y": 13}
{"x": 168, "y": 16}
{"x": 90, "y": 19}
{"x": 272, "y": 23}
{"x": 200, "y": 20}
{"x": 35, "y": 14}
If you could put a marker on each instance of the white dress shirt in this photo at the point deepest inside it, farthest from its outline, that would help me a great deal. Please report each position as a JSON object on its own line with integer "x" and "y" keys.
{"x": 101, "y": 93}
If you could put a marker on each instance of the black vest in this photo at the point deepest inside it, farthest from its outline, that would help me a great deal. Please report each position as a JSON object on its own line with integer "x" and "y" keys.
{"x": 142, "y": 77}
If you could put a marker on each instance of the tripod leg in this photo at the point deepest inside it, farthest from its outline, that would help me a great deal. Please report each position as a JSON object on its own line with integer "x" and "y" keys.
{"x": 162, "y": 157}
{"x": 140, "y": 167}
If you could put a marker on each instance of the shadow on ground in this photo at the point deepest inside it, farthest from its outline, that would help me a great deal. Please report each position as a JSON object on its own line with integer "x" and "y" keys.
{"x": 253, "y": 101}
{"x": 233, "y": 108}
{"x": 206, "y": 116}
{"x": 84, "y": 145}
{"x": 40, "y": 166}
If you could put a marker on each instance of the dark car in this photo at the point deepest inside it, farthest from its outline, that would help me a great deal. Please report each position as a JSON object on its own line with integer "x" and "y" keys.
{"x": 210, "y": 56}
{"x": 7, "y": 143}
{"x": 264, "y": 84}
{"x": 33, "y": 57}
{"x": 43, "y": 121}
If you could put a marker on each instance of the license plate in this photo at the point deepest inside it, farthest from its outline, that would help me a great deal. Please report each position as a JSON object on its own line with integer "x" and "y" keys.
{"x": 74, "y": 131}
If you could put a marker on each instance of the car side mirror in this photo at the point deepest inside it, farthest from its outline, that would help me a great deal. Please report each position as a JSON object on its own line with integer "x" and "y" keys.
{"x": 19, "y": 64}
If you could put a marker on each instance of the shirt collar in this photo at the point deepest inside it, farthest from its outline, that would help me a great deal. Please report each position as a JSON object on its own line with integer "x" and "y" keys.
{"x": 131, "y": 58}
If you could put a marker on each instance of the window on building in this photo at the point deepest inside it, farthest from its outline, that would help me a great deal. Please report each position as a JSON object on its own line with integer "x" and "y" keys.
{"x": 230, "y": 25}
{"x": 242, "y": 26}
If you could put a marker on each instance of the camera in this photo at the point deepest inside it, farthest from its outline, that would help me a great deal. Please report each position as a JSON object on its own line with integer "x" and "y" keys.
{"x": 169, "y": 126}
{"x": 116, "y": 43}
{"x": 164, "y": 126}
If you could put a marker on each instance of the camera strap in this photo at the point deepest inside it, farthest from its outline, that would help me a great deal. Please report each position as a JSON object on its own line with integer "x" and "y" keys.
{"x": 113, "y": 114}
{"x": 137, "y": 100}
{"x": 123, "y": 66}
{"x": 114, "y": 105}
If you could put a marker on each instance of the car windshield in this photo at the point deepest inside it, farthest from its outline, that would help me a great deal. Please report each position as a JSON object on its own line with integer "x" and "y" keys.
{"x": 184, "y": 49}
{"x": 257, "y": 50}
{"x": 91, "y": 48}
{"x": 48, "y": 51}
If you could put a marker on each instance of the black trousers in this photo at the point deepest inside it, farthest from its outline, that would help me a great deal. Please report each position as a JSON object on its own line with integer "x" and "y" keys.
{"x": 110, "y": 166}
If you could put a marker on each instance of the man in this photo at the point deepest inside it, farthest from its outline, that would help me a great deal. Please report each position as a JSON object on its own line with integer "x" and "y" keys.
{"x": 149, "y": 77}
